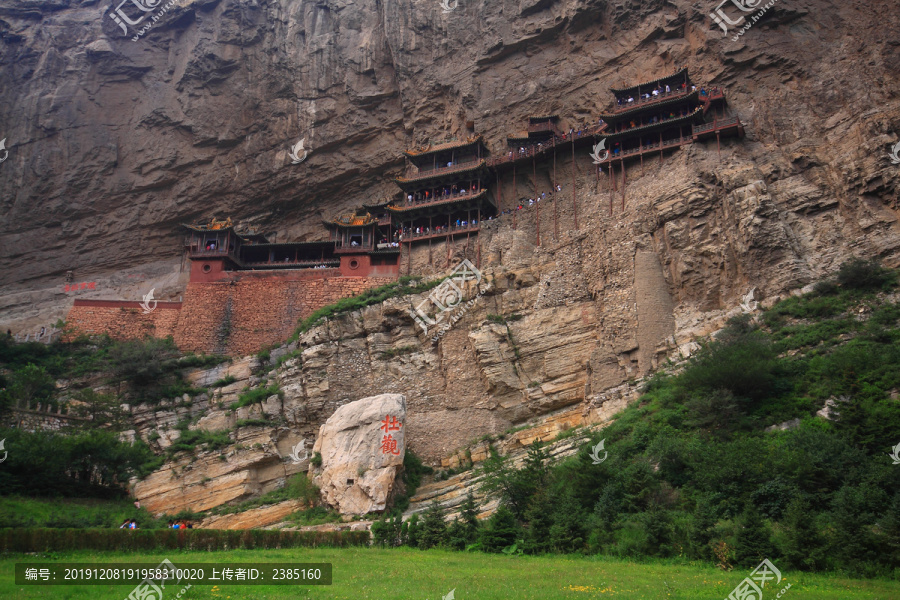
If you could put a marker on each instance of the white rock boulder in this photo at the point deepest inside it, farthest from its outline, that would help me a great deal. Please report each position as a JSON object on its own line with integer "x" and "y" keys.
{"x": 362, "y": 446}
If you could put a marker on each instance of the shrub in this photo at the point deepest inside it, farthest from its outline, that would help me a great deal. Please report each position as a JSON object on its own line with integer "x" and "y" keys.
{"x": 859, "y": 273}
{"x": 316, "y": 460}
{"x": 227, "y": 380}
{"x": 255, "y": 396}
{"x": 143, "y": 362}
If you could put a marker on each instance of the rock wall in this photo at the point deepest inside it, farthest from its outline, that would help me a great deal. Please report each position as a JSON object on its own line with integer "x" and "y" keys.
{"x": 122, "y": 320}
{"x": 242, "y": 315}
{"x": 236, "y": 317}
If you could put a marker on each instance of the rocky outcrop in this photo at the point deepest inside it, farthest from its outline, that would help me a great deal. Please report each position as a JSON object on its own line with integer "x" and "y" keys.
{"x": 254, "y": 518}
{"x": 362, "y": 446}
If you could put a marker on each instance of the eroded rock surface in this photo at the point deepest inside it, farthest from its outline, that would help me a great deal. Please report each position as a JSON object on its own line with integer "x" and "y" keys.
{"x": 362, "y": 447}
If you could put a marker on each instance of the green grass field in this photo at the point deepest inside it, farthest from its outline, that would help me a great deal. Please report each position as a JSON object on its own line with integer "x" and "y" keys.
{"x": 416, "y": 575}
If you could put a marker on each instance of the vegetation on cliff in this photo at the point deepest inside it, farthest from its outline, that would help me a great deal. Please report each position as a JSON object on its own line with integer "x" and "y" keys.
{"x": 695, "y": 469}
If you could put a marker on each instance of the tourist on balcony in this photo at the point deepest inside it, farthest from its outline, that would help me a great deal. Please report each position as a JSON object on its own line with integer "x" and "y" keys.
{"x": 656, "y": 92}
{"x": 630, "y": 100}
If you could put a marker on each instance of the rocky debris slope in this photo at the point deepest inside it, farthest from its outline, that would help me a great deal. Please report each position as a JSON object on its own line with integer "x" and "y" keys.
{"x": 362, "y": 446}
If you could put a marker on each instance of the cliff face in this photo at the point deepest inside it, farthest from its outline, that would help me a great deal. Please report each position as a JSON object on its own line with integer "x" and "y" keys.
{"x": 113, "y": 142}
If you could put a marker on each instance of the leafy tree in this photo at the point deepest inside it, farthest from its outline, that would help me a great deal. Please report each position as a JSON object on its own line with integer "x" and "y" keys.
{"x": 716, "y": 412}
{"x": 102, "y": 410}
{"x": 143, "y": 362}
{"x": 31, "y": 384}
{"x": 860, "y": 273}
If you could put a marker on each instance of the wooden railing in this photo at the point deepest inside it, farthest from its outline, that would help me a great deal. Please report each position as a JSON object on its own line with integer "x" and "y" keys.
{"x": 658, "y": 98}
{"x": 451, "y": 230}
{"x": 436, "y": 200}
{"x": 653, "y": 147}
{"x": 716, "y": 124}
{"x": 458, "y": 166}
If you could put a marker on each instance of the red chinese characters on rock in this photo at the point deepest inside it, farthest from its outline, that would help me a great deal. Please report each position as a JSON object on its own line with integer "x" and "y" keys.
{"x": 74, "y": 287}
{"x": 388, "y": 443}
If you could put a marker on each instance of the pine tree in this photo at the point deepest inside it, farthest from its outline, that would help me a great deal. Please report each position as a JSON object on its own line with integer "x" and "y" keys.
{"x": 753, "y": 543}
{"x": 501, "y": 531}
{"x": 470, "y": 522}
{"x": 433, "y": 531}
{"x": 412, "y": 536}
{"x": 540, "y": 519}
{"x": 567, "y": 532}
{"x": 701, "y": 532}
{"x": 803, "y": 546}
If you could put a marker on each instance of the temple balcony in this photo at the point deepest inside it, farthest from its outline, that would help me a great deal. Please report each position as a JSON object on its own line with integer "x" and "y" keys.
{"x": 643, "y": 103}
{"x": 719, "y": 125}
{"x": 458, "y": 167}
{"x": 330, "y": 263}
{"x": 405, "y": 206}
{"x": 450, "y": 231}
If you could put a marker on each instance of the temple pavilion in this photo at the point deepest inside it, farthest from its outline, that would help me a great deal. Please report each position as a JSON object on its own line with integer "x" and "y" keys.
{"x": 218, "y": 248}
{"x": 444, "y": 191}
{"x": 664, "y": 113}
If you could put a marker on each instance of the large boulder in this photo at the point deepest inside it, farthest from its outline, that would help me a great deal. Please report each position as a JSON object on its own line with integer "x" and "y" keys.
{"x": 362, "y": 446}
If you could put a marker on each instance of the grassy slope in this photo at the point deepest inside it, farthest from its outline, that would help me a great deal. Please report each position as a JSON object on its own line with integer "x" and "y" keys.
{"x": 415, "y": 575}
{"x": 16, "y": 511}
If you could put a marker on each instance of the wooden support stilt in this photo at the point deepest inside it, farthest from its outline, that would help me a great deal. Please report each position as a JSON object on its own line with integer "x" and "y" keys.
{"x": 718, "y": 145}
{"x": 555, "y": 195}
{"x": 537, "y": 200}
{"x": 499, "y": 195}
{"x": 574, "y": 201}
{"x": 478, "y": 242}
{"x": 623, "y": 185}
{"x": 612, "y": 186}
{"x": 515, "y": 196}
